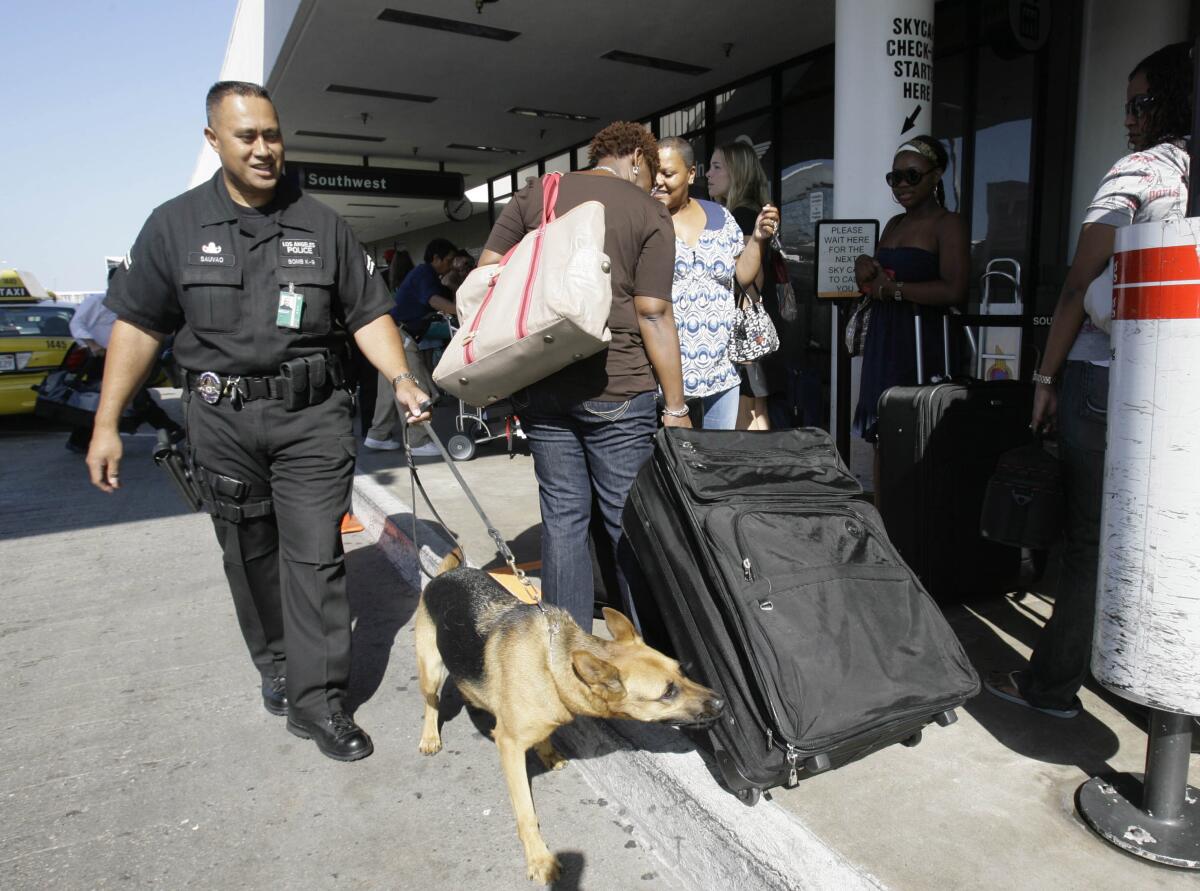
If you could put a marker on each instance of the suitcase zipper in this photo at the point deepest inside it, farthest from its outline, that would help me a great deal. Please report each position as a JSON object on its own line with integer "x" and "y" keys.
{"x": 817, "y": 504}
{"x": 793, "y": 779}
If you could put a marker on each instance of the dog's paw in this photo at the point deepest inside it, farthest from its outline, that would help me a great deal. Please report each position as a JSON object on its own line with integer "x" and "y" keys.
{"x": 552, "y": 758}
{"x": 430, "y": 745}
{"x": 544, "y": 869}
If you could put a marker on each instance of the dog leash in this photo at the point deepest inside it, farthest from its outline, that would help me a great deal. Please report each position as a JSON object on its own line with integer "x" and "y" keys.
{"x": 415, "y": 484}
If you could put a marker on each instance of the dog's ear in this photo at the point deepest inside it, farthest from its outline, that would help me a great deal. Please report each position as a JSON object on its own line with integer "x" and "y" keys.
{"x": 596, "y": 673}
{"x": 619, "y": 626}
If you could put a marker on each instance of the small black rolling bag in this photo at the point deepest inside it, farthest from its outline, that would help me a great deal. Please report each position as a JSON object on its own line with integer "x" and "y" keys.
{"x": 772, "y": 581}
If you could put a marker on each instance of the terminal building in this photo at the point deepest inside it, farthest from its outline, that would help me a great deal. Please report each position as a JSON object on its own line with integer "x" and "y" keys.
{"x": 419, "y": 119}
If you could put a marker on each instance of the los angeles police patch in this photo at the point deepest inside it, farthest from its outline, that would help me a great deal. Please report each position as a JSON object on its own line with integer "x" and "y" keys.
{"x": 300, "y": 252}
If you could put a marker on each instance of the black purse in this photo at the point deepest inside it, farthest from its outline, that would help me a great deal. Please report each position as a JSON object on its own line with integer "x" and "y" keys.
{"x": 1024, "y": 504}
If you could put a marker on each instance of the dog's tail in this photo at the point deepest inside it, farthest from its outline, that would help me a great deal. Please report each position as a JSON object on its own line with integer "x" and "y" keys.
{"x": 453, "y": 560}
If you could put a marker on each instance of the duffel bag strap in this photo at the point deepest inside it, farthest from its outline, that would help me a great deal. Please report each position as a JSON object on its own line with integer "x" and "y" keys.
{"x": 549, "y": 197}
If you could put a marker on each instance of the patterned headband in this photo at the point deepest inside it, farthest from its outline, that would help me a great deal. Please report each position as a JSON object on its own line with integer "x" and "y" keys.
{"x": 921, "y": 149}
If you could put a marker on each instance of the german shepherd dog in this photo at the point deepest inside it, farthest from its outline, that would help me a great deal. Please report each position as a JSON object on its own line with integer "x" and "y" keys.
{"x": 534, "y": 672}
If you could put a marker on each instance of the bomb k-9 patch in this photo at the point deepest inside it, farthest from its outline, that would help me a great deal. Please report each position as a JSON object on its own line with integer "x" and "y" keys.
{"x": 300, "y": 252}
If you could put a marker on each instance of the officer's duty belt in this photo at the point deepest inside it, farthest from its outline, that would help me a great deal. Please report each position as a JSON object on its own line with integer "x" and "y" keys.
{"x": 248, "y": 388}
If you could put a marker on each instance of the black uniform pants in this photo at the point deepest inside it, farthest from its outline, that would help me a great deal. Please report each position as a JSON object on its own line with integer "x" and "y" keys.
{"x": 286, "y": 571}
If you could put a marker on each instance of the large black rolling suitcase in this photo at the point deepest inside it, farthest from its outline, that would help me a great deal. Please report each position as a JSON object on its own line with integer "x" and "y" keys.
{"x": 938, "y": 447}
{"x": 773, "y": 582}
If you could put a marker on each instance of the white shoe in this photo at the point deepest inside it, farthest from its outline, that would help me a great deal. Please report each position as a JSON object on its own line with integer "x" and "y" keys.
{"x": 383, "y": 445}
{"x": 426, "y": 450}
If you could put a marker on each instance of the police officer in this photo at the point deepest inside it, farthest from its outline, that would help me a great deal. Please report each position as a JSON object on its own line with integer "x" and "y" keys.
{"x": 261, "y": 285}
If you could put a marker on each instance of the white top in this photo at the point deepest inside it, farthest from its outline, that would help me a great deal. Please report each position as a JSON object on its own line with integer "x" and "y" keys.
{"x": 93, "y": 321}
{"x": 1143, "y": 187}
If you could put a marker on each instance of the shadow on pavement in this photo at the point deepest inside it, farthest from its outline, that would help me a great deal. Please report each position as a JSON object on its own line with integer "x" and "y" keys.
{"x": 37, "y": 471}
{"x": 1085, "y": 741}
{"x": 526, "y": 547}
{"x": 572, "y": 863}
{"x": 378, "y": 611}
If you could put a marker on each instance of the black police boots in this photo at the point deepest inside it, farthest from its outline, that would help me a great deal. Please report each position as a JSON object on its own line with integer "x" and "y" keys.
{"x": 336, "y": 735}
{"x": 274, "y": 692}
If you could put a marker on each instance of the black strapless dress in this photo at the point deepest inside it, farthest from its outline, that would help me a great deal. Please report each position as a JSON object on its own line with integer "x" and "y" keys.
{"x": 890, "y": 351}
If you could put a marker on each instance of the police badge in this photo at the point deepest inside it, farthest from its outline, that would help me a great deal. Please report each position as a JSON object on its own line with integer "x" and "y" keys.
{"x": 208, "y": 387}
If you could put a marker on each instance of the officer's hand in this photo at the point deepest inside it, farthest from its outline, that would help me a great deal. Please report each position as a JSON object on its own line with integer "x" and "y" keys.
{"x": 104, "y": 459}
{"x": 411, "y": 397}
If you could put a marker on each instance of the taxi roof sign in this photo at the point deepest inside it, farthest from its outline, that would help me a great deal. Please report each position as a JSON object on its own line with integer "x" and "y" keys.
{"x": 19, "y": 285}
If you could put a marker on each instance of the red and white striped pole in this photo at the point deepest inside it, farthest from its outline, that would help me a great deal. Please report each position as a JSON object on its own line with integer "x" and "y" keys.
{"x": 1147, "y": 633}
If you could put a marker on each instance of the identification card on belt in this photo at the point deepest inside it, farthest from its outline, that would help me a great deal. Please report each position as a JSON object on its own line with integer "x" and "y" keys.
{"x": 291, "y": 308}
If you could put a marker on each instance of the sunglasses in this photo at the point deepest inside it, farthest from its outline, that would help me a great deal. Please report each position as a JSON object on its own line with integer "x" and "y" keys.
{"x": 911, "y": 176}
{"x": 1139, "y": 105}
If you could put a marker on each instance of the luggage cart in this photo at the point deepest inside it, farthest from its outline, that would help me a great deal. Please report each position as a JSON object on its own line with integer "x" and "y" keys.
{"x": 999, "y": 352}
{"x": 477, "y": 425}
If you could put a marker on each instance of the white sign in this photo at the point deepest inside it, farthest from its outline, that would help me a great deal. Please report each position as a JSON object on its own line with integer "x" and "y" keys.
{"x": 839, "y": 244}
{"x": 816, "y": 206}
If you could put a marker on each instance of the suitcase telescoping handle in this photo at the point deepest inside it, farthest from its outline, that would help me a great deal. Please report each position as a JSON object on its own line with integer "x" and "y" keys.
{"x": 945, "y": 343}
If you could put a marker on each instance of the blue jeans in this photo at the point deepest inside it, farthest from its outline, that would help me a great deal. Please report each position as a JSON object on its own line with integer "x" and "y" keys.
{"x": 719, "y": 411}
{"x": 1062, "y": 655}
{"x": 581, "y": 448}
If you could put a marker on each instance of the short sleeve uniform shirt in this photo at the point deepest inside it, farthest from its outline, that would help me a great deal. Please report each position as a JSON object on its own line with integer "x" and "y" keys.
{"x": 211, "y": 272}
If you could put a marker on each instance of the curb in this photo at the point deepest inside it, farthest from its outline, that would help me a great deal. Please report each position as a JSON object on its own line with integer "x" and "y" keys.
{"x": 662, "y": 787}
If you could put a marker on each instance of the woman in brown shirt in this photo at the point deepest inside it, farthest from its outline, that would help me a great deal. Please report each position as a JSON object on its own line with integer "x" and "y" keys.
{"x": 591, "y": 426}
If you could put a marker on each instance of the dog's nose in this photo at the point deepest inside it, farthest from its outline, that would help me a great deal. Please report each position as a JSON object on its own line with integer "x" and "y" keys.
{"x": 716, "y": 705}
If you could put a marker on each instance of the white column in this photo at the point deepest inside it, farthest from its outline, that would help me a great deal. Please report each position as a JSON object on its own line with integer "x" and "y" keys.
{"x": 244, "y": 56}
{"x": 883, "y": 91}
{"x": 1147, "y": 634}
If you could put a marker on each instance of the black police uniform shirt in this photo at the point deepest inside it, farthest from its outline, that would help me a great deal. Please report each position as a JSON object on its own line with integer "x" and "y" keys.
{"x": 211, "y": 272}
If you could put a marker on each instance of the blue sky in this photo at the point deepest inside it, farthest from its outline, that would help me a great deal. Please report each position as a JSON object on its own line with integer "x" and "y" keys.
{"x": 103, "y": 110}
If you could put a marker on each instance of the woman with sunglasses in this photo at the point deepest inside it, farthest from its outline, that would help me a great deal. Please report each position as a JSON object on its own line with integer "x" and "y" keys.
{"x": 921, "y": 267}
{"x": 1147, "y": 185}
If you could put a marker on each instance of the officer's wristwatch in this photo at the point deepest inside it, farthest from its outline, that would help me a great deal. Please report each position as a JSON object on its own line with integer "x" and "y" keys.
{"x": 403, "y": 376}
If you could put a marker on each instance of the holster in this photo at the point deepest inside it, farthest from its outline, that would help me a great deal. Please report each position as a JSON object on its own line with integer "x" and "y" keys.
{"x": 230, "y": 498}
{"x": 170, "y": 458}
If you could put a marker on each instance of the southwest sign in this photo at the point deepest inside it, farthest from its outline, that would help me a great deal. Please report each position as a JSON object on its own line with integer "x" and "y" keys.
{"x": 395, "y": 182}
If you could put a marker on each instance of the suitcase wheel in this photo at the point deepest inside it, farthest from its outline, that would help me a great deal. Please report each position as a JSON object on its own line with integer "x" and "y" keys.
{"x": 913, "y": 740}
{"x": 749, "y": 797}
{"x": 817, "y": 763}
{"x": 946, "y": 718}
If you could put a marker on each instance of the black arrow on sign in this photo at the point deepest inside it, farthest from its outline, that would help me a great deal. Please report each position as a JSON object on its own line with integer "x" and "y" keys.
{"x": 911, "y": 120}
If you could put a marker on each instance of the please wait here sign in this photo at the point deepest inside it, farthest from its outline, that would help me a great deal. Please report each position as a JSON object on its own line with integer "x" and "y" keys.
{"x": 839, "y": 244}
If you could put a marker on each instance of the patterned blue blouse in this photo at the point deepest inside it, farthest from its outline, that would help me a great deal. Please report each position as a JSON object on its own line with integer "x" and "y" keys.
{"x": 702, "y": 292}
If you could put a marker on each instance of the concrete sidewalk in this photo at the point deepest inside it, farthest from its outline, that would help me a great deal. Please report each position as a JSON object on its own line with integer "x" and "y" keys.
{"x": 135, "y": 752}
{"x": 985, "y": 803}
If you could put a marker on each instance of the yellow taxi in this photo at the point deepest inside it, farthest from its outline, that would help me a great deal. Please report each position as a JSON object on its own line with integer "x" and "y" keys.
{"x": 35, "y": 334}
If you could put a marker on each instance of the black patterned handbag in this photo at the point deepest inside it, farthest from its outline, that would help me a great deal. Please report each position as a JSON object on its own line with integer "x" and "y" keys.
{"x": 754, "y": 334}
